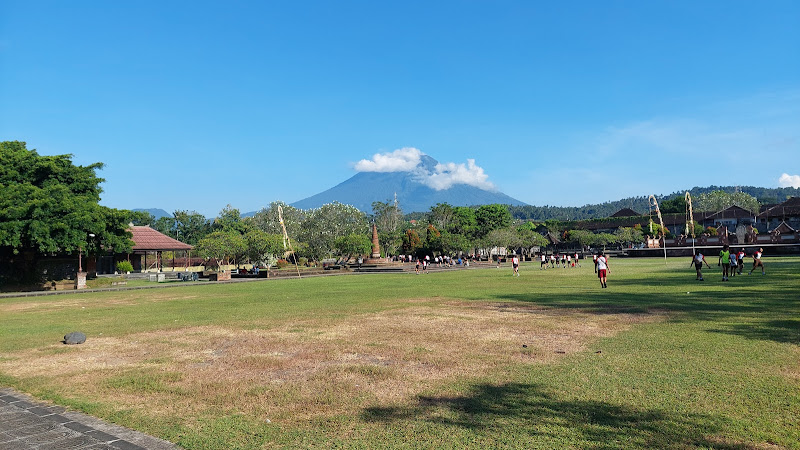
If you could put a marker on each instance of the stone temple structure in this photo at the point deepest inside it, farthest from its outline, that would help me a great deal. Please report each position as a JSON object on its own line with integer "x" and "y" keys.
{"x": 376, "y": 248}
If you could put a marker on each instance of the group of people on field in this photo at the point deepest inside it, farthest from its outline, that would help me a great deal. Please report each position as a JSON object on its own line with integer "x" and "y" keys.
{"x": 563, "y": 260}
{"x": 732, "y": 262}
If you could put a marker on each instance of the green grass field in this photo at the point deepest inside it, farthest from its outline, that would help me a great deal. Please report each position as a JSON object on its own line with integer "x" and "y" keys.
{"x": 463, "y": 358}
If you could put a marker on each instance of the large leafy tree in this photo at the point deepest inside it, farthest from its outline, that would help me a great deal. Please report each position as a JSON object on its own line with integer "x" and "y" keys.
{"x": 324, "y": 225}
{"x": 719, "y": 200}
{"x": 492, "y": 217}
{"x": 267, "y": 219}
{"x": 224, "y": 247}
{"x": 50, "y": 205}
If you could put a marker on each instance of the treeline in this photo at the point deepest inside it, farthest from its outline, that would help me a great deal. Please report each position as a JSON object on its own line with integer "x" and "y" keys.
{"x": 765, "y": 196}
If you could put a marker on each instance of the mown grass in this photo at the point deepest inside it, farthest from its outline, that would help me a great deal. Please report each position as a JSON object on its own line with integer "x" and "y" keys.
{"x": 718, "y": 368}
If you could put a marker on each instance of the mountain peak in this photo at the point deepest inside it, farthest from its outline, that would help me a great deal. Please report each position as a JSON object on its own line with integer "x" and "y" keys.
{"x": 419, "y": 181}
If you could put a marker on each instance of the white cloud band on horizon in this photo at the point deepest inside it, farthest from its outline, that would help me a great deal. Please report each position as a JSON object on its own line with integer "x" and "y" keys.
{"x": 444, "y": 175}
{"x": 787, "y": 180}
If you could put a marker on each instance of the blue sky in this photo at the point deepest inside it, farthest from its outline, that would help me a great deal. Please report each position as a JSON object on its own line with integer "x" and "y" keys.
{"x": 195, "y": 105}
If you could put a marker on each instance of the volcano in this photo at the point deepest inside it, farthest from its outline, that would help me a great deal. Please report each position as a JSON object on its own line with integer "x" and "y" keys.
{"x": 413, "y": 194}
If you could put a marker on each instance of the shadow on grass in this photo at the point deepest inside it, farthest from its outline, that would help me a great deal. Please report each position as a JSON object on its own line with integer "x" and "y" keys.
{"x": 784, "y": 331}
{"x": 741, "y": 303}
{"x": 534, "y": 415}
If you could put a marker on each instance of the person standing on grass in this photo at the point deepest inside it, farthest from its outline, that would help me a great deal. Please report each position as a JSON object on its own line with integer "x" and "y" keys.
{"x": 602, "y": 268}
{"x": 725, "y": 261}
{"x": 576, "y": 260}
{"x": 757, "y": 261}
{"x": 698, "y": 259}
{"x": 416, "y": 269}
{"x": 515, "y": 264}
{"x": 734, "y": 263}
{"x": 543, "y": 266}
{"x": 740, "y": 260}
{"x": 553, "y": 261}
{"x": 594, "y": 259}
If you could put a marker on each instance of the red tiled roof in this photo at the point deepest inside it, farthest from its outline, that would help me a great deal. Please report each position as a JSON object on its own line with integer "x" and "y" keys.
{"x": 146, "y": 238}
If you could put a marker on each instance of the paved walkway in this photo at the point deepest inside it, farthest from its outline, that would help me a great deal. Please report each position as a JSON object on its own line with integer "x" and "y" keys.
{"x": 26, "y": 423}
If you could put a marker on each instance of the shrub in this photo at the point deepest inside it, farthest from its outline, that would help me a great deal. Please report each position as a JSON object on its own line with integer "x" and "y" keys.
{"x": 124, "y": 266}
{"x": 282, "y": 263}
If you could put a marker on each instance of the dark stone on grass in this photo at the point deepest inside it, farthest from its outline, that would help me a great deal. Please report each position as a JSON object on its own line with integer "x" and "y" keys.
{"x": 76, "y": 337}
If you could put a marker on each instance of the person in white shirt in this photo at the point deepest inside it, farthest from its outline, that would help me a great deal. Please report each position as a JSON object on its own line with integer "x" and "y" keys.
{"x": 757, "y": 261}
{"x": 602, "y": 268}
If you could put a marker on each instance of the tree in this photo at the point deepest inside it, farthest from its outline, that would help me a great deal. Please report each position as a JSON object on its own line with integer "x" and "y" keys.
{"x": 221, "y": 246}
{"x": 324, "y": 225}
{"x": 141, "y": 218}
{"x": 463, "y": 222}
{"x": 492, "y": 217}
{"x": 267, "y": 219}
{"x": 433, "y": 240}
{"x": 530, "y": 238}
{"x": 629, "y": 236}
{"x": 503, "y": 237}
{"x": 262, "y": 247}
{"x": 49, "y": 205}
{"x": 452, "y": 243}
{"x": 719, "y": 200}
{"x": 411, "y": 242}
{"x": 354, "y": 244}
{"x": 673, "y": 206}
{"x": 604, "y": 239}
{"x": 583, "y": 237}
{"x": 441, "y": 215}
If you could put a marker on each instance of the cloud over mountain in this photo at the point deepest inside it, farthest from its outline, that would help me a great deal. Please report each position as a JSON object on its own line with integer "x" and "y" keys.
{"x": 439, "y": 177}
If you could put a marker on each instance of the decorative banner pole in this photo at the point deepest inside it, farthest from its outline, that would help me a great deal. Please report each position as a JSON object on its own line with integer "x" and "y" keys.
{"x": 654, "y": 203}
{"x": 286, "y": 239}
{"x": 690, "y": 219}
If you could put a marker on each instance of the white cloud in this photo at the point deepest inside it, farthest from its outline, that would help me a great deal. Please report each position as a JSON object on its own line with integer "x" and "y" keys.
{"x": 400, "y": 160}
{"x": 448, "y": 174}
{"x": 787, "y": 180}
{"x": 442, "y": 176}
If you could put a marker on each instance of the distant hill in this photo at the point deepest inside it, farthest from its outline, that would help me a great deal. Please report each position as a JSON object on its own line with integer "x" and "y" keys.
{"x": 641, "y": 204}
{"x": 157, "y": 213}
{"x": 364, "y": 188}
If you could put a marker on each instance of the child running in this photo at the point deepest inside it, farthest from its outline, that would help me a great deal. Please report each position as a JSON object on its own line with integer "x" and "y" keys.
{"x": 515, "y": 265}
{"x": 757, "y": 261}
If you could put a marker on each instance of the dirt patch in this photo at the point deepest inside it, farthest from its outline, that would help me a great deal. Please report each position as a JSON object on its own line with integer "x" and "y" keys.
{"x": 72, "y": 302}
{"x": 312, "y": 367}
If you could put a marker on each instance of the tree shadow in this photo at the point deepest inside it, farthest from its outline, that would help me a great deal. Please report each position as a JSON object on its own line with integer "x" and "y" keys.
{"x": 536, "y": 415}
{"x": 768, "y": 308}
{"x": 783, "y": 331}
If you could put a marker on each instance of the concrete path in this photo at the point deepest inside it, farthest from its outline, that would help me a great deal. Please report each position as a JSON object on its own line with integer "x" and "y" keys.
{"x": 29, "y": 424}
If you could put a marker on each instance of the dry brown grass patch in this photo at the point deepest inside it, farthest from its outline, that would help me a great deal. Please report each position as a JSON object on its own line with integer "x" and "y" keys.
{"x": 315, "y": 367}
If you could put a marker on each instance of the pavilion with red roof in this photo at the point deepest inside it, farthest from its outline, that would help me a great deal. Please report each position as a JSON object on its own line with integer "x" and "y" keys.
{"x": 147, "y": 241}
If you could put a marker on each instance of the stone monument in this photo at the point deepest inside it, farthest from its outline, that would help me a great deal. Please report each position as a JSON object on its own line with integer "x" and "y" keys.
{"x": 376, "y": 248}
